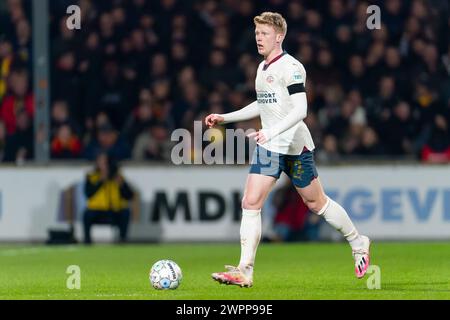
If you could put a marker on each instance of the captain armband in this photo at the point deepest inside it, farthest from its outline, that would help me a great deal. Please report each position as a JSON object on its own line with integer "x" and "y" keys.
{"x": 296, "y": 88}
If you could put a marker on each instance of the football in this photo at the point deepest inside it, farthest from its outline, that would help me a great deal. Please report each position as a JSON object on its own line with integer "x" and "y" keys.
{"x": 165, "y": 274}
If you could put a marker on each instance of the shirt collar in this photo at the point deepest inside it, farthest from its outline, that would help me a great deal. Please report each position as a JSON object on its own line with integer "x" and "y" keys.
{"x": 273, "y": 60}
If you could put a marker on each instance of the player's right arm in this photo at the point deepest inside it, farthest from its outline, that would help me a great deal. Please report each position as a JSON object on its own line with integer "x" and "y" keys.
{"x": 249, "y": 112}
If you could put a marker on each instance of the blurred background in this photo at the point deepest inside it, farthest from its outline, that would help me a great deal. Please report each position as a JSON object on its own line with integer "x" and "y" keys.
{"x": 378, "y": 110}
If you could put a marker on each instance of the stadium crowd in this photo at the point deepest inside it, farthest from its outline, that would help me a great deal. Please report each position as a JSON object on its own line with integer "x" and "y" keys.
{"x": 139, "y": 69}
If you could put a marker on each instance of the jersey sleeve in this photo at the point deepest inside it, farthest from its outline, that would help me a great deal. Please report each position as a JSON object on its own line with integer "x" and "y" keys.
{"x": 294, "y": 77}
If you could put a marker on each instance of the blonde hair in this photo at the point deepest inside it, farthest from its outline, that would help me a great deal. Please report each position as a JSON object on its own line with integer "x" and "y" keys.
{"x": 273, "y": 19}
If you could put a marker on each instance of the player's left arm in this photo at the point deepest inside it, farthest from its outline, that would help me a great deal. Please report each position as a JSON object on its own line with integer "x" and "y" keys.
{"x": 295, "y": 84}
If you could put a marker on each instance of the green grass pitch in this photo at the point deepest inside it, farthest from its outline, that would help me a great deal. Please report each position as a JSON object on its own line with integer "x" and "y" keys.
{"x": 409, "y": 270}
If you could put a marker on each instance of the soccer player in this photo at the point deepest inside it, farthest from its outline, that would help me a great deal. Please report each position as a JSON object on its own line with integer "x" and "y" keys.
{"x": 284, "y": 144}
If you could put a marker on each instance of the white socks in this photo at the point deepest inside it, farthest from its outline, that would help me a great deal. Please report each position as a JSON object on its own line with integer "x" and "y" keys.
{"x": 250, "y": 236}
{"x": 337, "y": 217}
{"x": 250, "y": 231}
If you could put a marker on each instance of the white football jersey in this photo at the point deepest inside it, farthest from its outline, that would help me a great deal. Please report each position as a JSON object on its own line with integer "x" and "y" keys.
{"x": 272, "y": 94}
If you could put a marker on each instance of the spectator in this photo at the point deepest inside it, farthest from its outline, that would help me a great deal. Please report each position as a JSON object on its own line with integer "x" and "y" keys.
{"x": 138, "y": 121}
{"x": 140, "y": 53}
{"x": 19, "y": 99}
{"x": 357, "y": 78}
{"x": 90, "y": 133}
{"x": 60, "y": 116}
{"x": 180, "y": 56}
{"x": 67, "y": 86}
{"x": 306, "y": 54}
{"x": 111, "y": 95}
{"x": 22, "y": 45}
{"x": 6, "y": 62}
{"x": 159, "y": 68}
{"x": 153, "y": 143}
{"x": 394, "y": 18}
{"x": 20, "y": 144}
{"x": 374, "y": 61}
{"x": 217, "y": 72}
{"x": 342, "y": 44}
{"x": 400, "y": 131}
{"x": 191, "y": 103}
{"x": 329, "y": 153}
{"x": 326, "y": 74}
{"x": 370, "y": 145}
{"x": 65, "y": 144}
{"x": 67, "y": 40}
{"x": 337, "y": 16}
{"x": 15, "y": 12}
{"x": 379, "y": 107}
{"x": 347, "y": 126}
{"x": 314, "y": 25}
{"x": 340, "y": 125}
{"x": 426, "y": 101}
{"x": 437, "y": 147}
{"x": 108, "y": 141}
{"x": 361, "y": 34}
{"x": 329, "y": 103}
{"x": 394, "y": 67}
{"x": 108, "y": 195}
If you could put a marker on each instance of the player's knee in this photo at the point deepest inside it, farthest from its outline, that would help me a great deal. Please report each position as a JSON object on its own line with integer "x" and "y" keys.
{"x": 316, "y": 205}
{"x": 251, "y": 202}
{"x": 313, "y": 206}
